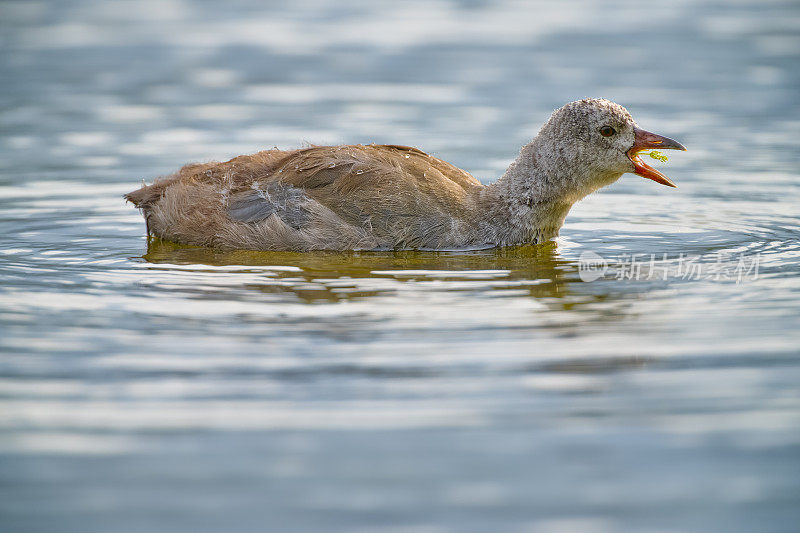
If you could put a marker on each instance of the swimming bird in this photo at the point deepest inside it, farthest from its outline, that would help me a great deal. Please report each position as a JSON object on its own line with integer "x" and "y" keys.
{"x": 373, "y": 197}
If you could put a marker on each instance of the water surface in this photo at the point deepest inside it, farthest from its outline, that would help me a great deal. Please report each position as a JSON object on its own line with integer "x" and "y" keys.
{"x": 147, "y": 386}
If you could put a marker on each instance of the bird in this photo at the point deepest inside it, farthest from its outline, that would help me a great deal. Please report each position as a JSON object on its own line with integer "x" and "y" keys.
{"x": 394, "y": 197}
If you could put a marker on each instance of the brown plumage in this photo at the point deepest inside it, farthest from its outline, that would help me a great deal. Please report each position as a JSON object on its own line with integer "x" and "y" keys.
{"x": 380, "y": 196}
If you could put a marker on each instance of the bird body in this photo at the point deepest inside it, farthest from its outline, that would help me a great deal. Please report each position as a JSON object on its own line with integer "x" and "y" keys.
{"x": 383, "y": 196}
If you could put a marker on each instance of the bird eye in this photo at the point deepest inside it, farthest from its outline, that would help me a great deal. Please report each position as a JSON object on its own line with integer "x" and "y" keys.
{"x": 607, "y": 131}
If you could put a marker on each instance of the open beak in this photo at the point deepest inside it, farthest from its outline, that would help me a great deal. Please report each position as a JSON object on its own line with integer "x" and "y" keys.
{"x": 644, "y": 140}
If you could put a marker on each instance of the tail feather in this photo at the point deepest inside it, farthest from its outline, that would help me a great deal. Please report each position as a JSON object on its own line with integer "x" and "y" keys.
{"x": 145, "y": 196}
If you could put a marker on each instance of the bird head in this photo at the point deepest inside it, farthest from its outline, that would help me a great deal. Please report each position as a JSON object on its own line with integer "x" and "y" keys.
{"x": 603, "y": 138}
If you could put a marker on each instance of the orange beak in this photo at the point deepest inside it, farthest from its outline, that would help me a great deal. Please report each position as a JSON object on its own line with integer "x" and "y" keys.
{"x": 644, "y": 140}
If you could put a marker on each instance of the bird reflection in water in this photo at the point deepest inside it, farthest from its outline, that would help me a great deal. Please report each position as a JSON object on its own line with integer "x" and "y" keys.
{"x": 318, "y": 277}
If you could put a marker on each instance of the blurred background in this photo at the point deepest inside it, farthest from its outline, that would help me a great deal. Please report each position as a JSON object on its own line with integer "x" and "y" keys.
{"x": 154, "y": 387}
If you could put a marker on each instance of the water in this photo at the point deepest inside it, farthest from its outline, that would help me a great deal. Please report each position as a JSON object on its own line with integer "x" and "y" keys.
{"x": 166, "y": 388}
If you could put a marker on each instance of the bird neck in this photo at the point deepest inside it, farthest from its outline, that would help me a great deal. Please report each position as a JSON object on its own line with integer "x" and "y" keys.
{"x": 529, "y": 203}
